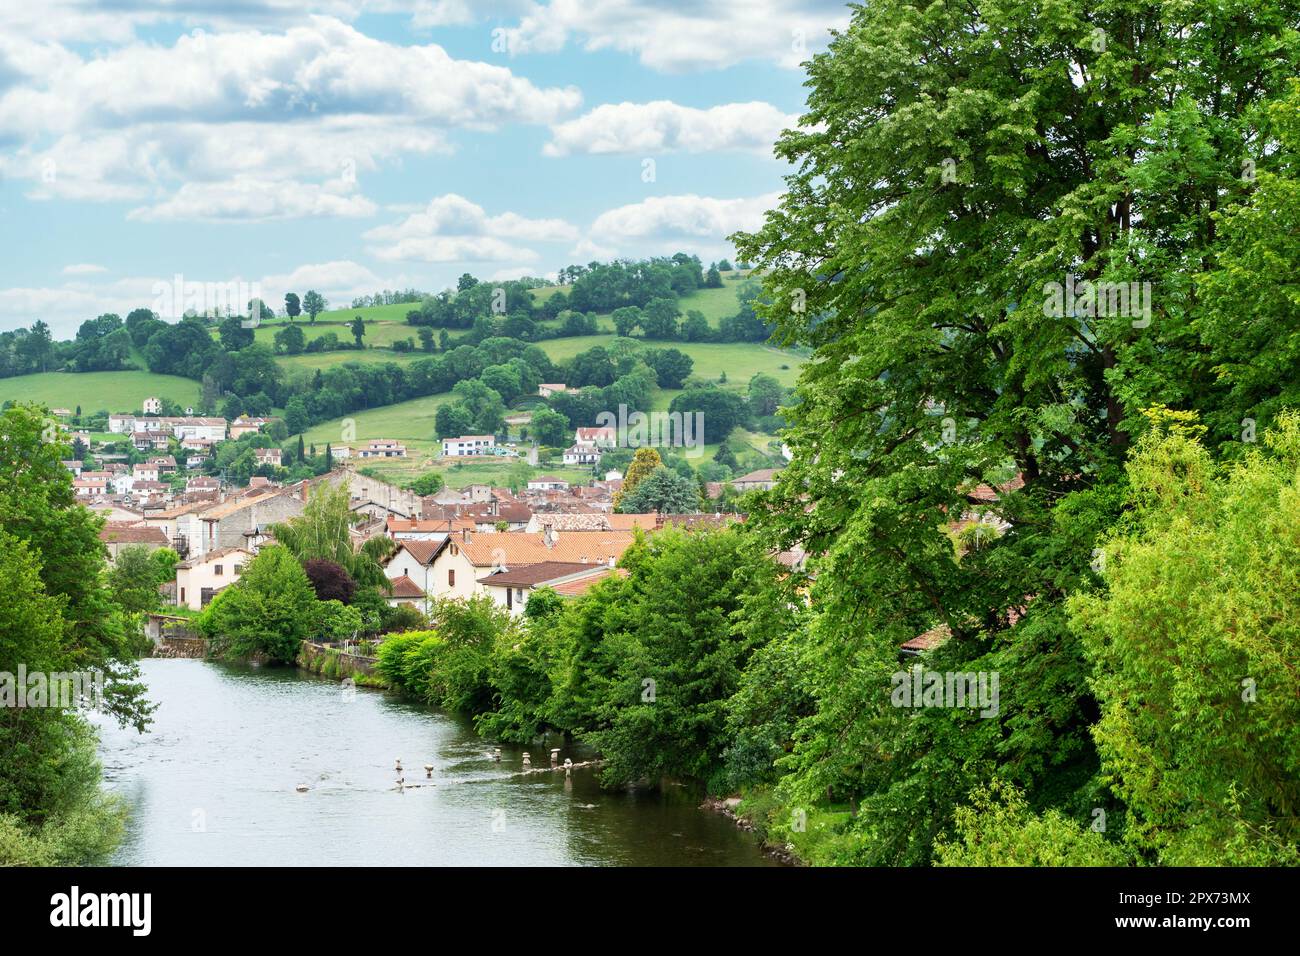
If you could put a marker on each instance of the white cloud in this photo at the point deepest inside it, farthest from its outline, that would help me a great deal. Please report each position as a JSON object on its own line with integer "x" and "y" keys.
{"x": 682, "y": 36}
{"x": 82, "y": 268}
{"x": 452, "y": 227}
{"x": 663, "y": 126}
{"x": 688, "y": 223}
{"x": 185, "y": 128}
{"x": 255, "y": 200}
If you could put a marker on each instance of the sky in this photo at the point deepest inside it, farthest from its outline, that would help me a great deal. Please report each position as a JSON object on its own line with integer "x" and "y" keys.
{"x": 352, "y": 146}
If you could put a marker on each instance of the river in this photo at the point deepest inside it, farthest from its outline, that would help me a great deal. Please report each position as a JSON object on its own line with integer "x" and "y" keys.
{"x": 214, "y": 782}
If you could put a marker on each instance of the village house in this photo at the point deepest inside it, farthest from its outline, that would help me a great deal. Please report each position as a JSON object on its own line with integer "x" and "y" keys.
{"x": 547, "y": 389}
{"x": 213, "y": 527}
{"x": 243, "y": 425}
{"x": 201, "y": 445}
{"x": 591, "y": 522}
{"x": 166, "y": 464}
{"x": 90, "y": 487}
{"x": 461, "y": 560}
{"x": 426, "y": 529}
{"x": 152, "y": 405}
{"x": 146, "y": 441}
{"x": 467, "y": 445}
{"x": 74, "y": 467}
{"x": 382, "y": 448}
{"x": 199, "y": 579}
{"x": 410, "y": 569}
{"x": 267, "y": 456}
{"x": 117, "y": 536}
{"x": 116, "y": 512}
{"x": 764, "y": 478}
{"x": 511, "y": 588}
{"x": 547, "y": 483}
{"x": 145, "y": 471}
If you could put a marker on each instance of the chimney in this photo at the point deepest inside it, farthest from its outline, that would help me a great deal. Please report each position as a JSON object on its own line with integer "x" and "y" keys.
{"x": 465, "y": 535}
{"x": 548, "y": 536}
{"x": 611, "y": 561}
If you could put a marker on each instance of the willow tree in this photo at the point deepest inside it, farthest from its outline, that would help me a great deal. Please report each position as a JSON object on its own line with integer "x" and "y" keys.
{"x": 964, "y": 176}
{"x": 324, "y": 530}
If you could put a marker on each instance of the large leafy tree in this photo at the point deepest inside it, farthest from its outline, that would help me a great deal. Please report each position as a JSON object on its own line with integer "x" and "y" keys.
{"x": 37, "y": 506}
{"x": 662, "y": 490}
{"x": 324, "y": 531}
{"x": 954, "y": 163}
{"x": 270, "y": 610}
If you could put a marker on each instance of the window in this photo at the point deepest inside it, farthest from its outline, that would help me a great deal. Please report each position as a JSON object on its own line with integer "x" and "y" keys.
{"x": 519, "y": 595}
{"x": 218, "y": 571}
{"x": 451, "y": 578}
{"x": 182, "y": 595}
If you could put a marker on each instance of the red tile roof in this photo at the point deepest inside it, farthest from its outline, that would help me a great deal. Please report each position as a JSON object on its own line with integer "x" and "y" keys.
{"x": 404, "y": 587}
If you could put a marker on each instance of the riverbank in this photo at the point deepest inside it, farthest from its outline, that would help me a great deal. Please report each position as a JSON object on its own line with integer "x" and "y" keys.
{"x": 732, "y": 808}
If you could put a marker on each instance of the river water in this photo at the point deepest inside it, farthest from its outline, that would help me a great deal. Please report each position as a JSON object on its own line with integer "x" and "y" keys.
{"x": 214, "y": 782}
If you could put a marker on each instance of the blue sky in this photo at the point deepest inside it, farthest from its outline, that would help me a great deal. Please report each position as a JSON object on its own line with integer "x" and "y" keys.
{"x": 355, "y": 145}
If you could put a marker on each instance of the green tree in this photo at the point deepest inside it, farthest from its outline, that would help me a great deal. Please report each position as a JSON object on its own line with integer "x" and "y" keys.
{"x": 270, "y": 610}
{"x": 429, "y": 483}
{"x": 323, "y": 530}
{"x": 943, "y": 362}
{"x": 313, "y": 303}
{"x": 644, "y": 462}
{"x": 290, "y": 340}
{"x": 292, "y": 306}
{"x": 672, "y": 366}
{"x": 1195, "y": 652}
{"x": 134, "y": 579}
{"x": 662, "y": 490}
{"x": 452, "y": 421}
{"x": 358, "y": 328}
{"x": 550, "y": 427}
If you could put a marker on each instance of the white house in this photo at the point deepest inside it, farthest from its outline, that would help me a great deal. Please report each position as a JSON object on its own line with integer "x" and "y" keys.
{"x": 410, "y": 568}
{"x": 511, "y": 587}
{"x": 200, "y": 578}
{"x": 460, "y": 562}
{"x": 382, "y": 448}
{"x": 547, "y": 389}
{"x": 547, "y": 483}
{"x": 468, "y": 445}
{"x": 152, "y": 405}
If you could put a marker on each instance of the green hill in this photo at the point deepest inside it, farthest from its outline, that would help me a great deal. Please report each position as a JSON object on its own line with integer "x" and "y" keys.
{"x": 97, "y": 391}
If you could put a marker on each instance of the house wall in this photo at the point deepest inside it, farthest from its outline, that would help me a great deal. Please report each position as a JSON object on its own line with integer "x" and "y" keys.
{"x": 452, "y": 558}
{"x": 190, "y": 582}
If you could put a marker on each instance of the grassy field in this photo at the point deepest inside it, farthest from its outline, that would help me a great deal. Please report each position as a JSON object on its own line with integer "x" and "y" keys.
{"x": 740, "y": 360}
{"x": 98, "y": 391}
{"x": 408, "y": 421}
{"x": 330, "y": 359}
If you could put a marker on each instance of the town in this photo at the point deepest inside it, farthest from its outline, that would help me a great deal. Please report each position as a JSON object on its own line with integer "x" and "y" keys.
{"x": 479, "y": 540}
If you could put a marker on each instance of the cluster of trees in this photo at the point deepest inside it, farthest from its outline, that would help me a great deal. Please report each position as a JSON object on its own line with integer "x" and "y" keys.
{"x": 311, "y": 584}
{"x": 644, "y": 667}
{"x": 1146, "y": 695}
{"x": 61, "y": 614}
